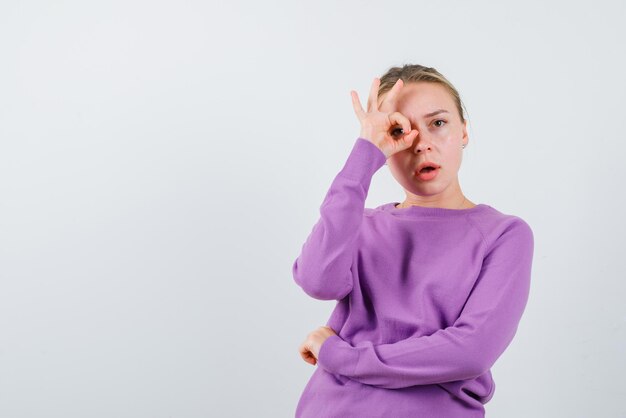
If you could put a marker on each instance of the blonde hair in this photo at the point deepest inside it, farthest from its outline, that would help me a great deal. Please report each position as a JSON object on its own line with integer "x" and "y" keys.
{"x": 414, "y": 73}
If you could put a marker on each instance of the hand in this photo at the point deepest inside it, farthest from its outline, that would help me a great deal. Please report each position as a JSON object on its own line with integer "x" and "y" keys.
{"x": 310, "y": 348}
{"x": 390, "y": 131}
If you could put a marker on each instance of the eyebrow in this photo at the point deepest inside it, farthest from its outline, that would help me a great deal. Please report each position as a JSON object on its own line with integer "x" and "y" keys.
{"x": 436, "y": 112}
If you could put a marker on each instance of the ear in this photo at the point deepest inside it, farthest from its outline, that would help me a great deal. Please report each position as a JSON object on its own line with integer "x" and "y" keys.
{"x": 465, "y": 138}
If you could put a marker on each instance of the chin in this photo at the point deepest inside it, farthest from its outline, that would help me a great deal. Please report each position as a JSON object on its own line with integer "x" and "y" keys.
{"x": 424, "y": 188}
{"x": 424, "y": 192}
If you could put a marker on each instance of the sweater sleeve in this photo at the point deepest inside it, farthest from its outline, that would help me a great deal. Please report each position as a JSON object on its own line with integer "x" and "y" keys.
{"x": 323, "y": 268}
{"x": 466, "y": 349}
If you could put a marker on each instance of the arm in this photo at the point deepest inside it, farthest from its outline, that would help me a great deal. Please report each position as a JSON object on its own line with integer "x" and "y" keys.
{"x": 322, "y": 269}
{"x": 466, "y": 349}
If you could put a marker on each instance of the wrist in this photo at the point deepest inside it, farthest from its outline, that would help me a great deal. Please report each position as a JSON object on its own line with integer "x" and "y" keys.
{"x": 368, "y": 136}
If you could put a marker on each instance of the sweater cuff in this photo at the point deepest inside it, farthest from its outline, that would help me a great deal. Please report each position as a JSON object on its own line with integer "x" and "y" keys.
{"x": 364, "y": 160}
{"x": 337, "y": 356}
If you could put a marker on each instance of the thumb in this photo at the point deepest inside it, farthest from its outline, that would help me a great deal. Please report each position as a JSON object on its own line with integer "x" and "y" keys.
{"x": 408, "y": 138}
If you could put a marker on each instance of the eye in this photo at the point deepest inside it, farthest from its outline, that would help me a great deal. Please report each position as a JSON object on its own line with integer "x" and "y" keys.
{"x": 440, "y": 120}
{"x": 398, "y": 130}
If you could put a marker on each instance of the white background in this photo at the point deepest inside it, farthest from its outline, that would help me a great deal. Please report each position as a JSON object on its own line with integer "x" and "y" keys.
{"x": 162, "y": 162}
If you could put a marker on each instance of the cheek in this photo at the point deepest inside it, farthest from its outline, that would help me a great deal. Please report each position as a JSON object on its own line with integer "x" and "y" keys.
{"x": 453, "y": 159}
{"x": 448, "y": 138}
{"x": 399, "y": 167}
{"x": 452, "y": 153}
{"x": 398, "y": 161}
{"x": 451, "y": 146}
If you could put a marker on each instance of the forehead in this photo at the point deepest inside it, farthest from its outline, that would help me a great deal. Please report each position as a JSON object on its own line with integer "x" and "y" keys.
{"x": 418, "y": 99}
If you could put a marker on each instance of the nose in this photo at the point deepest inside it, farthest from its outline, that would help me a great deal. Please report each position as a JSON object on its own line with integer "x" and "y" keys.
{"x": 421, "y": 143}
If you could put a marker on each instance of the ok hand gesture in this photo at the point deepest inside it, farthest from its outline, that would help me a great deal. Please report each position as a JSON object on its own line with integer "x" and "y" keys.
{"x": 382, "y": 126}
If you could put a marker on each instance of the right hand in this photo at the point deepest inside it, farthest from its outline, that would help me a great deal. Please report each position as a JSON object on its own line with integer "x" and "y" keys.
{"x": 382, "y": 126}
{"x": 310, "y": 349}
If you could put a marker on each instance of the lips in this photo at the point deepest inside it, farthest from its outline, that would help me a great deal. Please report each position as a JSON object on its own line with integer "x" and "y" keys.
{"x": 426, "y": 164}
{"x": 427, "y": 170}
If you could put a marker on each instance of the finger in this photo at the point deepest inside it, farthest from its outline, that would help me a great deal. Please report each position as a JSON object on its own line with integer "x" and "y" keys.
{"x": 372, "y": 101}
{"x": 356, "y": 105}
{"x": 308, "y": 357}
{"x": 400, "y": 144}
{"x": 304, "y": 353}
{"x": 302, "y": 349}
{"x": 390, "y": 97}
{"x": 397, "y": 118}
{"x": 407, "y": 139}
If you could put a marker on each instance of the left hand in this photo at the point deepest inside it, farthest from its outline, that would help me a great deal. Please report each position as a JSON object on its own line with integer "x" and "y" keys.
{"x": 310, "y": 348}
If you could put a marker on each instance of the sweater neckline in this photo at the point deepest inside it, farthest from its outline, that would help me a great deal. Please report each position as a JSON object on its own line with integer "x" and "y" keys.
{"x": 431, "y": 211}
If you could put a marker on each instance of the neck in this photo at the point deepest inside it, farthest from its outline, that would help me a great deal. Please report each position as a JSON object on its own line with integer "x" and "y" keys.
{"x": 454, "y": 200}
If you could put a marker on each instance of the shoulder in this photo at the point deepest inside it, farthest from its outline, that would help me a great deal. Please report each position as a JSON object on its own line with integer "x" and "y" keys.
{"x": 497, "y": 227}
{"x": 493, "y": 219}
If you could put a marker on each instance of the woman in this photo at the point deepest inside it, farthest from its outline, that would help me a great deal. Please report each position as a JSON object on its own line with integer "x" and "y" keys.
{"x": 429, "y": 291}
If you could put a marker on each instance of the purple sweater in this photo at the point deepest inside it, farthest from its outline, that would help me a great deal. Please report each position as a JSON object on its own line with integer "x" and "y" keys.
{"x": 427, "y": 301}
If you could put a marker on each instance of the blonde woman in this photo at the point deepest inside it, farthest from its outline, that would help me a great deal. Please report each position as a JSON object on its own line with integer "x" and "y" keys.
{"x": 429, "y": 291}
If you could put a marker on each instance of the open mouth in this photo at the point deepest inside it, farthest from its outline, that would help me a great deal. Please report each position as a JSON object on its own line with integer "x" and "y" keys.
{"x": 428, "y": 172}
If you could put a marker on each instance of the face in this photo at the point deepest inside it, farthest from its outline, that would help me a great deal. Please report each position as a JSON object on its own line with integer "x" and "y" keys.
{"x": 439, "y": 140}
